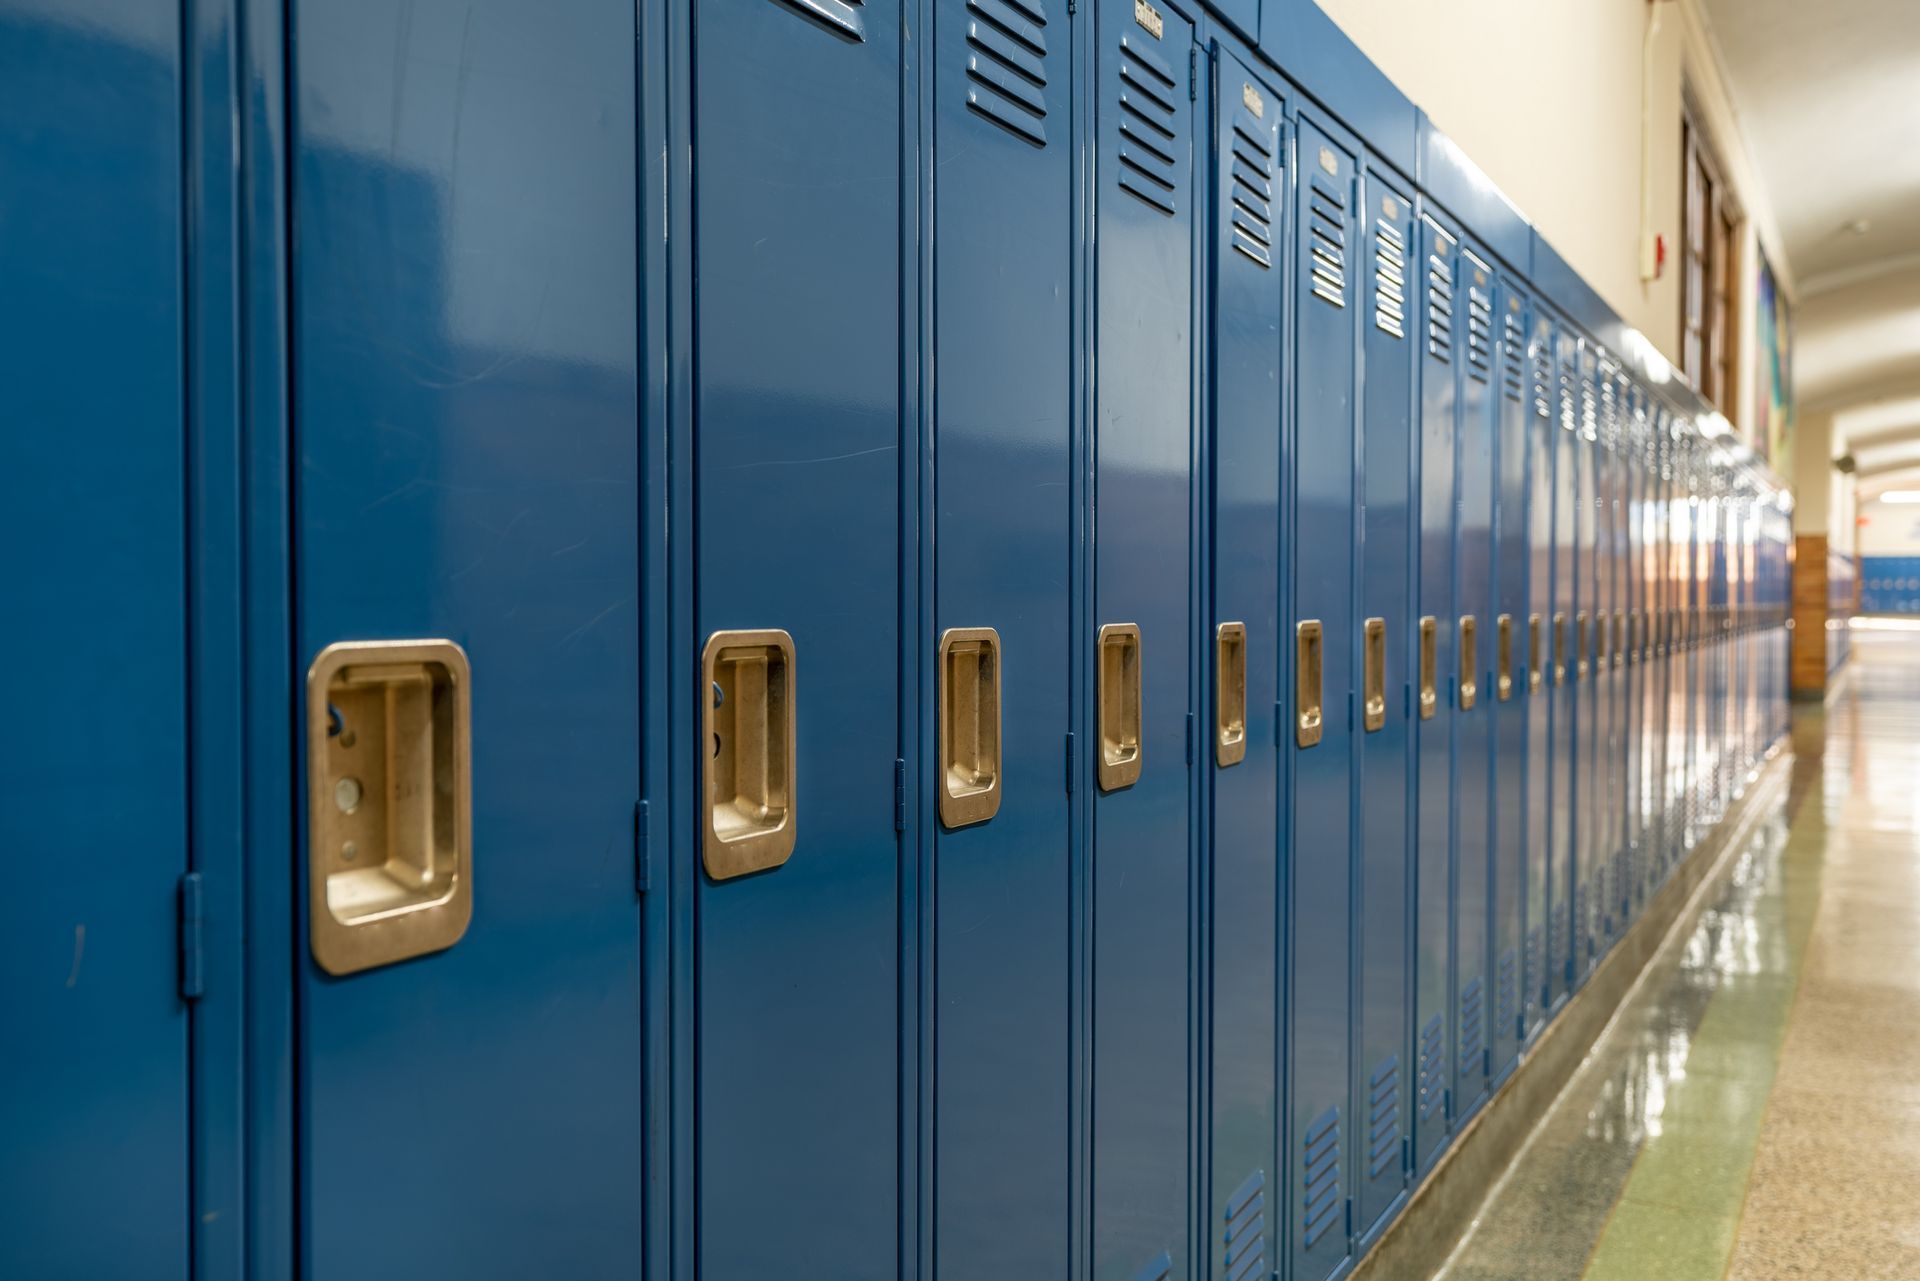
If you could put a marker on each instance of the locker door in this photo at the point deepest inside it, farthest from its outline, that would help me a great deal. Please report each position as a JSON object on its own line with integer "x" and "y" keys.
{"x": 467, "y": 468}
{"x": 1433, "y": 704}
{"x": 1590, "y": 772}
{"x": 1508, "y": 664}
{"x": 1635, "y": 507}
{"x": 1606, "y": 676}
{"x": 1540, "y": 871}
{"x": 1471, "y": 686}
{"x": 797, "y": 440}
{"x": 1564, "y": 626}
{"x": 1003, "y": 257}
{"x": 1319, "y": 970}
{"x": 93, "y": 813}
{"x": 1386, "y": 665}
{"x": 1248, "y": 268}
{"x": 1142, "y": 577}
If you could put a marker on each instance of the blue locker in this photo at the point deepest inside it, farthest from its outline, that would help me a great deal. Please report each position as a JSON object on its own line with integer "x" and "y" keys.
{"x": 1471, "y": 686}
{"x": 93, "y": 809}
{"x": 1003, "y": 555}
{"x": 1589, "y": 769}
{"x": 1319, "y": 853}
{"x": 1606, "y": 675}
{"x": 1249, "y": 266}
{"x": 1567, "y": 646}
{"x": 463, "y": 441}
{"x": 1386, "y": 657}
{"x": 1142, "y": 577}
{"x": 797, "y": 431}
{"x": 1509, "y": 666}
{"x": 1633, "y": 506}
{"x": 1433, "y": 703}
{"x": 1539, "y": 871}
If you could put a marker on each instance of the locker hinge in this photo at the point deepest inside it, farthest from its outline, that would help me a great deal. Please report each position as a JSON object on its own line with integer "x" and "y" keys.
{"x": 1072, "y": 764}
{"x": 642, "y": 849}
{"x": 193, "y": 976}
{"x": 1193, "y": 75}
{"x": 1189, "y": 738}
{"x": 899, "y": 794}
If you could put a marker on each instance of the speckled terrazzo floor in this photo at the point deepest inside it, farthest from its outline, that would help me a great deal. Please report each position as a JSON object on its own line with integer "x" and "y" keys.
{"x": 1754, "y": 1112}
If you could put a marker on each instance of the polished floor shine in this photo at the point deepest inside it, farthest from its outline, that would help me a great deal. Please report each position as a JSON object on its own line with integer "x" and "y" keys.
{"x": 1754, "y": 1111}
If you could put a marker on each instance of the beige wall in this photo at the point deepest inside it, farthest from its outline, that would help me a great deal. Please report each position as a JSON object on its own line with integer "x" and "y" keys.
{"x": 1576, "y": 174}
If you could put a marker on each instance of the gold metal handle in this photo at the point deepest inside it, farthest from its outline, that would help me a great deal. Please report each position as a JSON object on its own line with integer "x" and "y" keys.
{"x": 1306, "y": 683}
{"x": 1503, "y": 657}
{"x": 389, "y": 801}
{"x": 1559, "y": 647}
{"x": 1373, "y": 708}
{"x": 1579, "y": 645}
{"x": 1429, "y": 638}
{"x": 1469, "y": 659}
{"x": 1117, "y": 691}
{"x": 1533, "y": 654}
{"x": 1230, "y": 694}
{"x": 969, "y": 725}
{"x": 750, "y": 709}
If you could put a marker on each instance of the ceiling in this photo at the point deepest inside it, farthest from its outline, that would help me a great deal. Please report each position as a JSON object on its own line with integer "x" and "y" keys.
{"x": 1828, "y": 96}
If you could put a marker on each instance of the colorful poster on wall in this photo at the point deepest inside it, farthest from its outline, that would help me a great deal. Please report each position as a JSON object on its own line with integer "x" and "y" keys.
{"x": 1773, "y": 370}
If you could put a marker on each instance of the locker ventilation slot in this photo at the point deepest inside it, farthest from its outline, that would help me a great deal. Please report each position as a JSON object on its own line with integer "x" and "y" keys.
{"x": 1568, "y": 419}
{"x": 1479, "y": 332}
{"x": 1245, "y": 1233}
{"x": 842, "y": 17}
{"x": 1158, "y": 1268}
{"x": 1327, "y": 241}
{"x": 1321, "y": 1203}
{"x": 1513, "y": 375}
{"x": 1440, "y": 307}
{"x": 1432, "y": 1068}
{"x": 1383, "y": 1119}
{"x": 1148, "y": 143}
{"x": 1007, "y": 65}
{"x": 1252, "y": 188}
{"x": 1589, "y": 410}
{"x": 1542, "y": 383}
{"x": 1390, "y": 278}
{"x": 1472, "y": 1033}
{"x": 1557, "y": 935}
{"x": 1533, "y": 972}
{"x": 1582, "y": 928}
{"x": 1507, "y": 993}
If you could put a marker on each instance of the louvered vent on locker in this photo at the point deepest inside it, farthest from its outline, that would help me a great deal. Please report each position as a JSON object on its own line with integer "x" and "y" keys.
{"x": 1479, "y": 328}
{"x": 1440, "y": 307}
{"x": 1244, "y": 1234}
{"x": 1252, "y": 187}
{"x": 1569, "y": 412}
{"x": 1533, "y": 976}
{"x": 1390, "y": 277}
{"x": 843, "y": 16}
{"x": 1507, "y": 991}
{"x": 1149, "y": 147}
{"x": 1589, "y": 410}
{"x": 1542, "y": 382}
{"x": 1557, "y": 934}
{"x": 1327, "y": 239}
{"x": 1433, "y": 1068}
{"x": 1007, "y": 65}
{"x": 1158, "y": 1268}
{"x": 1513, "y": 374}
{"x": 1473, "y": 1039}
{"x": 1582, "y": 926}
{"x": 1383, "y": 1117}
{"x": 1322, "y": 1206}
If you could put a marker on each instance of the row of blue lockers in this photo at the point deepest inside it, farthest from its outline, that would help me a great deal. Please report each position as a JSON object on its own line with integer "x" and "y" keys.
{"x": 710, "y": 640}
{"x": 1890, "y": 584}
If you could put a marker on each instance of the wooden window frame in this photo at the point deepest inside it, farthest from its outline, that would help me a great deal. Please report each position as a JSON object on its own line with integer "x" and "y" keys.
{"x": 1710, "y": 267}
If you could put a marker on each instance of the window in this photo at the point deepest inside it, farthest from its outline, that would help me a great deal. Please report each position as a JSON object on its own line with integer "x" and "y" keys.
{"x": 1709, "y": 271}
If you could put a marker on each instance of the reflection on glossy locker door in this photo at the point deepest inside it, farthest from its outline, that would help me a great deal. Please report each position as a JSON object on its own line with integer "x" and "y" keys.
{"x": 1588, "y": 769}
{"x": 1143, "y": 472}
{"x": 1325, "y": 306}
{"x": 1563, "y": 816}
{"x": 468, "y": 469}
{"x": 1539, "y": 691}
{"x": 1387, "y": 649}
{"x": 93, "y": 814}
{"x": 796, "y": 421}
{"x": 1441, "y": 342}
{"x": 1249, "y": 266}
{"x": 1002, "y": 203}
{"x": 1509, "y": 697}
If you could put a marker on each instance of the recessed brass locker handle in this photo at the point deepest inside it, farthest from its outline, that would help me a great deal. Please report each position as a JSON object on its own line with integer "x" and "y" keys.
{"x": 1117, "y": 691}
{"x": 750, "y": 708}
{"x": 1469, "y": 662}
{"x": 1533, "y": 654}
{"x": 969, "y": 725}
{"x": 1633, "y": 637}
{"x": 1503, "y": 657}
{"x": 1307, "y": 719}
{"x": 1373, "y": 708}
{"x": 1579, "y": 645}
{"x": 1429, "y": 641}
{"x": 1230, "y": 694}
{"x": 1559, "y": 647}
{"x": 389, "y": 801}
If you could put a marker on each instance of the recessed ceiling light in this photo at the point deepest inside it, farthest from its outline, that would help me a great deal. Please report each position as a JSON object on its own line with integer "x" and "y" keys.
{"x": 1901, "y": 496}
